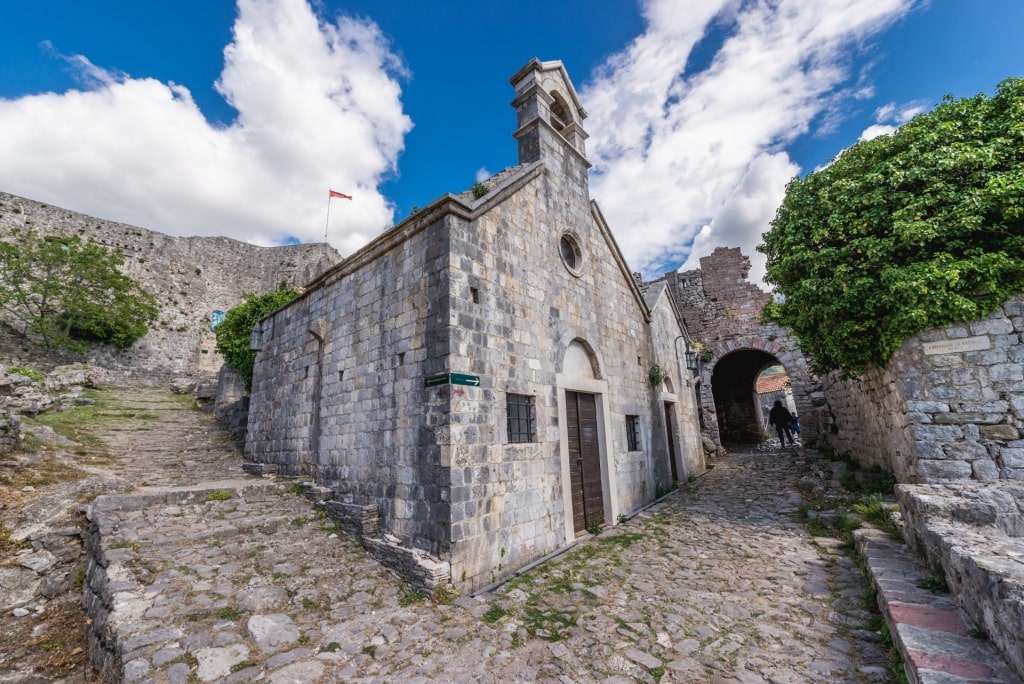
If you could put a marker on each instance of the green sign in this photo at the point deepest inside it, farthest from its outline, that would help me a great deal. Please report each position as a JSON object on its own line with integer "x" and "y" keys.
{"x": 452, "y": 379}
{"x": 434, "y": 380}
{"x": 463, "y": 379}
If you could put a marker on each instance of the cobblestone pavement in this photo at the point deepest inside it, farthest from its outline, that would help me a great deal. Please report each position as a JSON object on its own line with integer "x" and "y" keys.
{"x": 243, "y": 580}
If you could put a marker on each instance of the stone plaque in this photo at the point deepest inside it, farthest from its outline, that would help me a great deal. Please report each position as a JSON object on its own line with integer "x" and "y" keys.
{"x": 955, "y": 346}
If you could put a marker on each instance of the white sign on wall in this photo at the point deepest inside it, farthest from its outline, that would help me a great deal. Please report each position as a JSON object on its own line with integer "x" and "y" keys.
{"x": 965, "y": 344}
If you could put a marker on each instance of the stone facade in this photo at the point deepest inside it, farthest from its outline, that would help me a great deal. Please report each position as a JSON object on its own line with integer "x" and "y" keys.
{"x": 390, "y": 380}
{"x": 949, "y": 404}
{"x": 721, "y": 310}
{"x": 191, "y": 277}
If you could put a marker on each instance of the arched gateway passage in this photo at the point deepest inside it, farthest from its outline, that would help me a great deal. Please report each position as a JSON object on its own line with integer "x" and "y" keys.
{"x": 733, "y": 384}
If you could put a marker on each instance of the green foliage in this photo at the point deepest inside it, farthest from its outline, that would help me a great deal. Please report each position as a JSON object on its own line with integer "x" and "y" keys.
{"x": 904, "y": 232}
{"x": 411, "y": 597}
{"x": 935, "y": 580}
{"x": 64, "y": 292}
{"x": 234, "y": 331}
{"x": 479, "y": 190}
{"x": 656, "y": 375}
{"x": 493, "y": 614}
{"x": 34, "y": 375}
{"x": 878, "y": 513}
{"x": 218, "y": 495}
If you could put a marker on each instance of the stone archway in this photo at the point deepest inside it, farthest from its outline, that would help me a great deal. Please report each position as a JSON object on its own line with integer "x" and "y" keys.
{"x": 738, "y": 415}
{"x": 733, "y": 387}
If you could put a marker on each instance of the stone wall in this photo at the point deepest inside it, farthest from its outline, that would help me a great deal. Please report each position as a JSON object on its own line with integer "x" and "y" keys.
{"x": 722, "y": 310}
{"x": 948, "y": 405}
{"x": 365, "y": 337}
{"x": 679, "y": 391}
{"x": 191, "y": 277}
{"x": 231, "y": 401}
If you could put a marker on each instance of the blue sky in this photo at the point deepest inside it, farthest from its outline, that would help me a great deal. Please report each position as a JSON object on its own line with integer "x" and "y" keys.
{"x": 215, "y": 118}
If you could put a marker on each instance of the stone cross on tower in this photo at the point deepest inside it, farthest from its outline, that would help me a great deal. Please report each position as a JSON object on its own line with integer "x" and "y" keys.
{"x": 548, "y": 114}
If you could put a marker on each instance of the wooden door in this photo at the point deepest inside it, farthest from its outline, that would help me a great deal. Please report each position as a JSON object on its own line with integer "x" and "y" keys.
{"x": 670, "y": 433}
{"x": 584, "y": 461}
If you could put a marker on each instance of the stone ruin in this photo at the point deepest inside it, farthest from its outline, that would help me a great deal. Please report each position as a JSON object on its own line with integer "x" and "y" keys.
{"x": 945, "y": 416}
{"x": 191, "y": 278}
{"x": 721, "y": 310}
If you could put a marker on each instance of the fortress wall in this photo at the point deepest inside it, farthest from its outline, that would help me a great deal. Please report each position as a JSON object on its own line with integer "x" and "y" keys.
{"x": 191, "y": 277}
{"x": 949, "y": 405}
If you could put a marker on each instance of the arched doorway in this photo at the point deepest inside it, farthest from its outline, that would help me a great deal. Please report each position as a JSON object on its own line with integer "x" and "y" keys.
{"x": 734, "y": 387}
{"x": 587, "y": 474}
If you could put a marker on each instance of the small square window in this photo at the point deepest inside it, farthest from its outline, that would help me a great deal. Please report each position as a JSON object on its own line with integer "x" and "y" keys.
{"x": 519, "y": 410}
{"x": 633, "y": 433}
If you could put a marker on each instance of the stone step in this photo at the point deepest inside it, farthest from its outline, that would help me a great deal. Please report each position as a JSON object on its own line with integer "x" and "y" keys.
{"x": 927, "y": 628}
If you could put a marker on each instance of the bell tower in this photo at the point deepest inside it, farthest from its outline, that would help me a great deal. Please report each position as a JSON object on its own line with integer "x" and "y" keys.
{"x": 548, "y": 115}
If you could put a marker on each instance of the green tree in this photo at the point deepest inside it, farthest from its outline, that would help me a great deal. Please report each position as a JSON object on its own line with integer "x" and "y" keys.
{"x": 66, "y": 292}
{"x": 904, "y": 232}
{"x": 234, "y": 331}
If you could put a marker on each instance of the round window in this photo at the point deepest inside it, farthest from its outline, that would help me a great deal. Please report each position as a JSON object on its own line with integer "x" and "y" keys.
{"x": 572, "y": 257}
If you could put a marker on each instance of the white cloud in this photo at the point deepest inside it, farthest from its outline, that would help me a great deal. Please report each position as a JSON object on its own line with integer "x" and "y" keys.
{"x": 891, "y": 116}
{"x": 686, "y": 162}
{"x": 875, "y": 130}
{"x": 318, "y": 107}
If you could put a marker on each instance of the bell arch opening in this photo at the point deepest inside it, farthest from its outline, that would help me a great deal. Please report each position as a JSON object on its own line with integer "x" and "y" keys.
{"x": 741, "y": 384}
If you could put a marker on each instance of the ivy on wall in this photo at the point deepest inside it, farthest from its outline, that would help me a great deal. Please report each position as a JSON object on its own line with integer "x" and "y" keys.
{"x": 234, "y": 331}
{"x": 903, "y": 232}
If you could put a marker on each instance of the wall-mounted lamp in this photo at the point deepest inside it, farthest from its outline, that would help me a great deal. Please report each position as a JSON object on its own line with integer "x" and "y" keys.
{"x": 692, "y": 362}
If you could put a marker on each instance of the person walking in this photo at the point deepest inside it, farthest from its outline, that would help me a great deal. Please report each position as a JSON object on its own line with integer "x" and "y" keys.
{"x": 781, "y": 418}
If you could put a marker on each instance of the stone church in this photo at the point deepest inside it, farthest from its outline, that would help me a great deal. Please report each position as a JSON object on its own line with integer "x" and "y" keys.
{"x": 486, "y": 382}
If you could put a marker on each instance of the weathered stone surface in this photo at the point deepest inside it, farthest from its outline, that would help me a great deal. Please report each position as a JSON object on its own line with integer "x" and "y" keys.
{"x": 38, "y": 561}
{"x": 215, "y": 663}
{"x": 932, "y": 471}
{"x": 272, "y": 632}
{"x": 17, "y": 586}
{"x": 1000, "y": 432}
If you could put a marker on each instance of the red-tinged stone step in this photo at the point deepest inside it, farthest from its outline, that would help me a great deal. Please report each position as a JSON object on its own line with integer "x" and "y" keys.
{"x": 928, "y": 618}
{"x": 960, "y": 667}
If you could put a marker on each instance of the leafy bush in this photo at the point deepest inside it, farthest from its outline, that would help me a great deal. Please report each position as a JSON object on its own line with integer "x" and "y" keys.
{"x": 64, "y": 292}
{"x": 904, "y": 232}
{"x": 234, "y": 331}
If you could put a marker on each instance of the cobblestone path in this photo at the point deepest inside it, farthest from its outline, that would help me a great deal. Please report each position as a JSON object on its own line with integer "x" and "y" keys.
{"x": 236, "y": 580}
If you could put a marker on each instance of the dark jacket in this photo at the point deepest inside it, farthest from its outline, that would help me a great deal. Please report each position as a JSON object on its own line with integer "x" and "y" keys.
{"x": 780, "y": 415}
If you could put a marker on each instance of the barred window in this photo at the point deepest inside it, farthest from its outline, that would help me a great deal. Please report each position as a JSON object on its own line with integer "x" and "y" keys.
{"x": 633, "y": 433}
{"x": 519, "y": 410}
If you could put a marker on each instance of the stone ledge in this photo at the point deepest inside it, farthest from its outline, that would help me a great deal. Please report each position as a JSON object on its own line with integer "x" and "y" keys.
{"x": 928, "y": 629}
{"x": 260, "y": 469}
{"x": 156, "y": 496}
{"x": 974, "y": 530}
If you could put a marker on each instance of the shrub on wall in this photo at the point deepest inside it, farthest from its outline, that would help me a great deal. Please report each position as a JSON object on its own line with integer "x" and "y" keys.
{"x": 903, "y": 232}
{"x": 234, "y": 331}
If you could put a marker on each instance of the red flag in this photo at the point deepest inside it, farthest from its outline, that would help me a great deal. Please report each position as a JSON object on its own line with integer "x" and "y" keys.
{"x": 333, "y": 193}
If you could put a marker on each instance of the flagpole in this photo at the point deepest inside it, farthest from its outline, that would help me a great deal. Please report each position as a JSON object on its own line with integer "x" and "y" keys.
{"x": 328, "y": 222}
